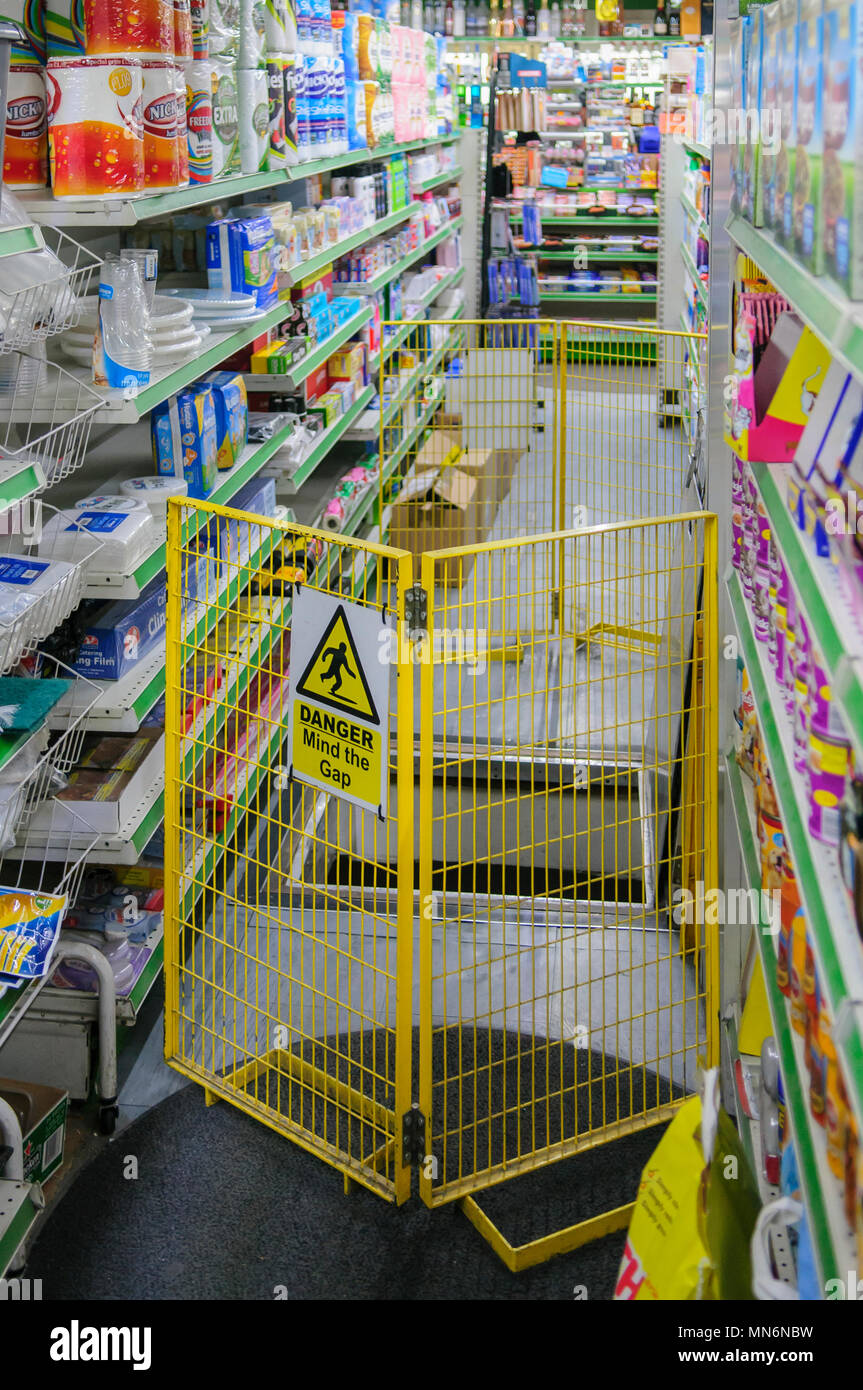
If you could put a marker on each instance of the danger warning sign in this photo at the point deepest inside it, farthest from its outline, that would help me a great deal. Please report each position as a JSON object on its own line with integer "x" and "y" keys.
{"x": 338, "y": 711}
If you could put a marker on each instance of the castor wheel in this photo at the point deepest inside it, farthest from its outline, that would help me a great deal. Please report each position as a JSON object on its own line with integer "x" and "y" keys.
{"x": 108, "y": 1118}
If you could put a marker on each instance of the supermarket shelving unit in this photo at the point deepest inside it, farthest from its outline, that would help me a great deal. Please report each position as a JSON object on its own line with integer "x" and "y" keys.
{"x": 836, "y": 944}
{"x": 122, "y": 706}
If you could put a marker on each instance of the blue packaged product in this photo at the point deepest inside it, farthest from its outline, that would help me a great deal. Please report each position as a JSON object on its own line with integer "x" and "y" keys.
{"x": 228, "y": 536}
{"x": 301, "y": 104}
{"x": 242, "y": 256}
{"x": 183, "y": 433}
{"x": 322, "y": 32}
{"x": 119, "y": 634}
{"x": 350, "y": 47}
{"x": 355, "y": 102}
{"x": 305, "y": 23}
{"x": 317, "y": 81}
{"x": 232, "y": 416}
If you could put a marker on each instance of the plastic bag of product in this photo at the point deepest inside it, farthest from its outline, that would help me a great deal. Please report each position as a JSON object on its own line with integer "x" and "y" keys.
{"x": 29, "y": 926}
{"x": 697, "y": 1204}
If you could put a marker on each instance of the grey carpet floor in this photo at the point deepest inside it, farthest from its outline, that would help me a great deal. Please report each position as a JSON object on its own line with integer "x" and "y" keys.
{"x": 224, "y": 1208}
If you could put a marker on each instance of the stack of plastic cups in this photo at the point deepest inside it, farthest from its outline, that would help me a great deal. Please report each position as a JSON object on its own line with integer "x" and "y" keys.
{"x": 122, "y": 352}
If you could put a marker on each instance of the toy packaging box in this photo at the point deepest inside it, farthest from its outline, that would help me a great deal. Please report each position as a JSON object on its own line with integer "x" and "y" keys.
{"x": 753, "y": 191}
{"x": 783, "y": 177}
{"x": 767, "y": 407}
{"x": 770, "y": 134}
{"x": 806, "y": 202}
{"x": 842, "y": 172}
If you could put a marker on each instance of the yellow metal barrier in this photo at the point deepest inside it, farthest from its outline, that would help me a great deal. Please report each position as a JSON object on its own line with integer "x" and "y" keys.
{"x": 546, "y": 578}
{"x": 288, "y": 976}
{"x": 562, "y": 1006}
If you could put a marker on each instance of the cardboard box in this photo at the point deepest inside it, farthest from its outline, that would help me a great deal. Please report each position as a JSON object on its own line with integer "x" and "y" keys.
{"x": 479, "y": 464}
{"x": 41, "y": 1112}
{"x": 436, "y": 510}
{"x": 443, "y": 446}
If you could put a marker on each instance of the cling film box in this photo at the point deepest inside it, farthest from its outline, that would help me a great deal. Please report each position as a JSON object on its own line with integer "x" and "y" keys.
{"x": 780, "y": 203}
{"x": 842, "y": 170}
{"x": 806, "y": 202}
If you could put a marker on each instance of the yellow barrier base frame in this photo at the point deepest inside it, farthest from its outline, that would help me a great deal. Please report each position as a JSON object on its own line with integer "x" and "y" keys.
{"x": 536, "y": 1252}
{"x": 306, "y": 1074}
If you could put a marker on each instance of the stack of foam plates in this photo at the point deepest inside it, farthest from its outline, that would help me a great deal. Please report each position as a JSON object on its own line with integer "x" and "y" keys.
{"x": 221, "y": 309}
{"x": 174, "y": 335}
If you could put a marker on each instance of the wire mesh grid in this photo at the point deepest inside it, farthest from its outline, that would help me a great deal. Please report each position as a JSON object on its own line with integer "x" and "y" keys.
{"x": 499, "y": 429}
{"x": 281, "y": 988}
{"x": 46, "y": 415}
{"x": 43, "y": 290}
{"x": 45, "y": 846}
{"x": 40, "y": 590}
{"x": 567, "y": 811}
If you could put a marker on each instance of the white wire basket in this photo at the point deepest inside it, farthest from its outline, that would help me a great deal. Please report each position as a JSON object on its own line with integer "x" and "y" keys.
{"x": 46, "y": 415}
{"x": 43, "y": 290}
{"x": 45, "y": 763}
{"x": 49, "y": 591}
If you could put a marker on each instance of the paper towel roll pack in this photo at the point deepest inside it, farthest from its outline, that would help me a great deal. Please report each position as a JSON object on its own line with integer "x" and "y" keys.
{"x": 144, "y": 28}
{"x": 25, "y": 151}
{"x": 226, "y": 119}
{"x": 254, "y": 119}
{"x": 95, "y": 130}
{"x": 199, "y": 120}
{"x": 161, "y": 125}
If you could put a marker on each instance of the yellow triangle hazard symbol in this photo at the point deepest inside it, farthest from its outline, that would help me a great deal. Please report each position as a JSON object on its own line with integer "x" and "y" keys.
{"x": 335, "y": 675}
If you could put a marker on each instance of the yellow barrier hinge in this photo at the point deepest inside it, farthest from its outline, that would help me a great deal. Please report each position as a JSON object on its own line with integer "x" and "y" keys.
{"x": 416, "y": 609}
{"x": 413, "y": 1137}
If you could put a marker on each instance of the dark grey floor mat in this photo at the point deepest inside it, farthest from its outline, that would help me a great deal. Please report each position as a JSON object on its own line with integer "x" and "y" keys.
{"x": 223, "y": 1207}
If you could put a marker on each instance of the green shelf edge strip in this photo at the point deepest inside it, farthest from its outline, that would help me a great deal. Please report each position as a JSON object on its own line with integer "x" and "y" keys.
{"x": 617, "y": 219}
{"x": 689, "y": 207}
{"x": 700, "y": 288}
{"x": 608, "y": 257}
{"x": 313, "y": 359}
{"x": 797, "y": 835}
{"x": 18, "y": 486}
{"x": 643, "y": 296}
{"x": 393, "y": 271}
{"x": 446, "y": 176}
{"x": 340, "y": 248}
{"x": 16, "y": 239}
{"x": 329, "y": 438}
{"x": 794, "y": 1096}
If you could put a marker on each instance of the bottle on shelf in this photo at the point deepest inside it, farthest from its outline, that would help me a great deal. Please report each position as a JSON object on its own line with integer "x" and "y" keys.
{"x": 458, "y": 19}
{"x": 494, "y": 19}
{"x": 416, "y": 14}
{"x": 507, "y": 30}
{"x": 405, "y": 13}
{"x": 555, "y": 20}
{"x": 428, "y": 16}
{"x": 439, "y": 10}
{"x": 579, "y": 18}
{"x": 543, "y": 22}
{"x": 530, "y": 19}
{"x": 449, "y": 19}
{"x": 476, "y": 94}
{"x": 567, "y": 18}
{"x": 674, "y": 21}
{"x": 518, "y": 18}
{"x": 660, "y": 22}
